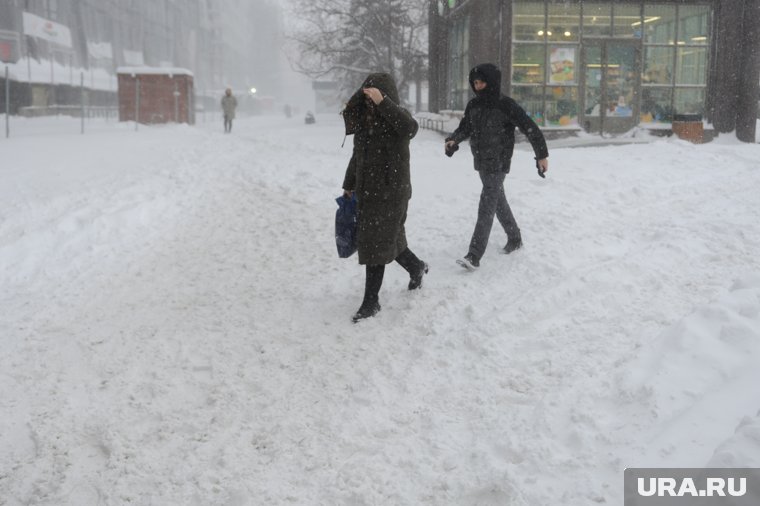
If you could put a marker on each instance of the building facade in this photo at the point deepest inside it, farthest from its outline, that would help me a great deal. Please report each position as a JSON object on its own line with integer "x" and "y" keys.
{"x": 604, "y": 66}
{"x": 48, "y": 45}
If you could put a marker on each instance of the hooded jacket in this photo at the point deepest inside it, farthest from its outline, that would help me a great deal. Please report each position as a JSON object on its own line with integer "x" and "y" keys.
{"x": 378, "y": 172}
{"x": 490, "y": 120}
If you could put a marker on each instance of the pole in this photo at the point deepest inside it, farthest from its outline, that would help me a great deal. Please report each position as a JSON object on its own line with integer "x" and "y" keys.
{"x": 137, "y": 101}
{"x": 82, "y": 90}
{"x": 7, "y": 103}
{"x": 52, "y": 83}
{"x": 190, "y": 104}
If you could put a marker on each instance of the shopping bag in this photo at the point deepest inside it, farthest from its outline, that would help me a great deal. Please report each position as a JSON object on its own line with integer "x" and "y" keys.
{"x": 345, "y": 226}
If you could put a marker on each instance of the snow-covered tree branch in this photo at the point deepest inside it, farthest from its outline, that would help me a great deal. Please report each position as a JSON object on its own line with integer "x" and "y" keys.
{"x": 347, "y": 39}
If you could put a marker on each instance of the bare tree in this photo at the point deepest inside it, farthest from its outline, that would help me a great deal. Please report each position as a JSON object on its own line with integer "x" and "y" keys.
{"x": 347, "y": 39}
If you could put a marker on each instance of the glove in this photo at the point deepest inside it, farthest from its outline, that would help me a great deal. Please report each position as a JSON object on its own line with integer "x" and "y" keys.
{"x": 451, "y": 150}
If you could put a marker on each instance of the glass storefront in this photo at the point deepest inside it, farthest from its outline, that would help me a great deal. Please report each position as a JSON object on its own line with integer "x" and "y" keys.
{"x": 609, "y": 66}
{"x": 459, "y": 49}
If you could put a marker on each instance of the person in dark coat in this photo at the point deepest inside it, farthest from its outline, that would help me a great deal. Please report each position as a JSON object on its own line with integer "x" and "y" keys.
{"x": 378, "y": 174}
{"x": 489, "y": 122}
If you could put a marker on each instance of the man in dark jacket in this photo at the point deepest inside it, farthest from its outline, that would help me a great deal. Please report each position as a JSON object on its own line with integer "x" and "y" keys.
{"x": 489, "y": 122}
{"x": 378, "y": 174}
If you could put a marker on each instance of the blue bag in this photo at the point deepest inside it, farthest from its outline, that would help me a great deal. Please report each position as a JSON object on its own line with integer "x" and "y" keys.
{"x": 345, "y": 226}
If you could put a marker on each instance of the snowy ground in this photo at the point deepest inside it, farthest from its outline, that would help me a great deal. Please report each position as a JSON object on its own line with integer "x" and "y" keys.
{"x": 175, "y": 322}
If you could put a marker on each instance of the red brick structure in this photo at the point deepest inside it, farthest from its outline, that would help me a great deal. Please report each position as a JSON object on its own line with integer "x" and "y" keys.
{"x": 156, "y": 95}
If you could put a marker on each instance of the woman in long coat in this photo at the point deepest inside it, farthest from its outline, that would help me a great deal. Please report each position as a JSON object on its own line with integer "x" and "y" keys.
{"x": 378, "y": 174}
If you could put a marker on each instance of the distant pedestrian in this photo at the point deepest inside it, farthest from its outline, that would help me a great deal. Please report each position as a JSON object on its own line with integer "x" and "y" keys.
{"x": 489, "y": 122}
{"x": 378, "y": 174}
{"x": 229, "y": 104}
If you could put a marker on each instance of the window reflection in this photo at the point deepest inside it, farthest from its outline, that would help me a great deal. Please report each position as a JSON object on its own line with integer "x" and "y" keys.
{"x": 693, "y": 21}
{"x": 529, "y": 21}
{"x": 627, "y": 21}
{"x": 597, "y": 19}
{"x": 656, "y": 105}
{"x": 528, "y": 63}
{"x": 691, "y": 65}
{"x": 561, "y": 106}
{"x": 658, "y": 65}
{"x": 459, "y": 49}
{"x": 689, "y": 100}
{"x": 564, "y": 22}
{"x": 659, "y": 24}
{"x": 530, "y": 98}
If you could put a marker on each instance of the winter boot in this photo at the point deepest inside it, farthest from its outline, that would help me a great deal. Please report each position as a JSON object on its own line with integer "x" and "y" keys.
{"x": 368, "y": 309}
{"x": 370, "y": 305}
{"x": 512, "y": 245}
{"x": 414, "y": 266}
{"x": 415, "y": 279}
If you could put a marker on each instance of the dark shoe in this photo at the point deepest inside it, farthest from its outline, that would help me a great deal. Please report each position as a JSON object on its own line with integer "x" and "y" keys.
{"x": 512, "y": 245}
{"x": 469, "y": 262}
{"x": 415, "y": 280}
{"x": 367, "y": 310}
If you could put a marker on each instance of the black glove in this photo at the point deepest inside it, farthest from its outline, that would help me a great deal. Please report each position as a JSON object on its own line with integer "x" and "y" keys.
{"x": 451, "y": 150}
{"x": 540, "y": 172}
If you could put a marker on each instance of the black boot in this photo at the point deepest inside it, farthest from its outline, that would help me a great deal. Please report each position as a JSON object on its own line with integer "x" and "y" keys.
{"x": 370, "y": 305}
{"x": 513, "y": 244}
{"x": 414, "y": 266}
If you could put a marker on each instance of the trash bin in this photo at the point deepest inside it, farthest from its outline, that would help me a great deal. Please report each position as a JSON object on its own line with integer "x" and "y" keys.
{"x": 689, "y": 127}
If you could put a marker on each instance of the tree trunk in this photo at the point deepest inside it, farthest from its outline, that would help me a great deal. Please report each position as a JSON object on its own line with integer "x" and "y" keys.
{"x": 749, "y": 77}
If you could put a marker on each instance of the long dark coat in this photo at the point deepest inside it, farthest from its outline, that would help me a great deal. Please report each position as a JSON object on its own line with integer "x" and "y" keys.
{"x": 379, "y": 170}
{"x": 489, "y": 122}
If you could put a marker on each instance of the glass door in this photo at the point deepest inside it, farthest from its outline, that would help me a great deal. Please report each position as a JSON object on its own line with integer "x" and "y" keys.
{"x": 610, "y": 85}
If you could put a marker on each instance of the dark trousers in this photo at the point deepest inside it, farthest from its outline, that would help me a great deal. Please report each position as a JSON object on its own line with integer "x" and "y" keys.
{"x": 227, "y": 124}
{"x": 493, "y": 202}
{"x": 375, "y": 273}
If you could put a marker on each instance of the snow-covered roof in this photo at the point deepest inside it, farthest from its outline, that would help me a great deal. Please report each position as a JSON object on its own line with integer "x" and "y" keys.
{"x": 154, "y": 71}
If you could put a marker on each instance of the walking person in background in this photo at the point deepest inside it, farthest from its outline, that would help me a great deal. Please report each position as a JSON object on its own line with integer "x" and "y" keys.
{"x": 378, "y": 174}
{"x": 489, "y": 122}
{"x": 229, "y": 104}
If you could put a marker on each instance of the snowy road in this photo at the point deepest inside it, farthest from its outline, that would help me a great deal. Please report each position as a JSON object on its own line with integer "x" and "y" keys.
{"x": 175, "y": 324}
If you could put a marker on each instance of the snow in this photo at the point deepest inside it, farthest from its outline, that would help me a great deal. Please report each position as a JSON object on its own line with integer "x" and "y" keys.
{"x": 30, "y": 70}
{"x": 143, "y": 70}
{"x": 175, "y": 322}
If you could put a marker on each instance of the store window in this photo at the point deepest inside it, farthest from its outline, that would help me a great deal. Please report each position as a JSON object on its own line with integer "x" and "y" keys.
{"x": 529, "y": 20}
{"x": 658, "y": 65}
{"x": 530, "y": 98}
{"x": 627, "y": 21}
{"x": 53, "y": 11}
{"x": 597, "y": 19}
{"x": 564, "y": 22}
{"x": 692, "y": 24}
{"x": 459, "y": 49}
{"x": 656, "y": 105}
{"x": 561, "y": 106}
{"x": 691, "y": 65}
{"x": 674, "y": 74}
{"x": 689, "y": 101}
{"x": 545, "y": 53}
{"x": 528, "y": 64}
{"x": 659, "y": 24}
